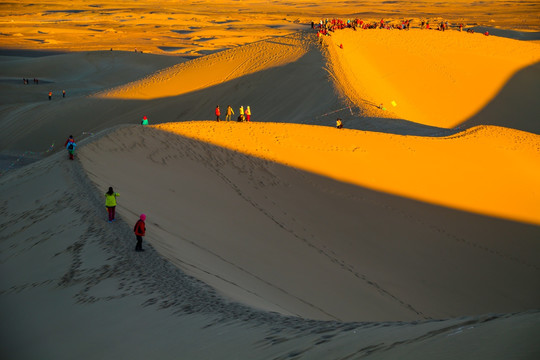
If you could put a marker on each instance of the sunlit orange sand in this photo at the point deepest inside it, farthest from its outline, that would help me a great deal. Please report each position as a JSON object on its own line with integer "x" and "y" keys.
{"x": 429, "y": 77}
{"x": 488, "y": 170}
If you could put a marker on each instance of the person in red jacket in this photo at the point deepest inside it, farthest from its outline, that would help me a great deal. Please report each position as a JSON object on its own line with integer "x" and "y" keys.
{"x": 140, "y": 231}
{"x": 217, "y": 113}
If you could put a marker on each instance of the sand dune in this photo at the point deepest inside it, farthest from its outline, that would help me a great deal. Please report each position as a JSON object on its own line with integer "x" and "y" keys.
{"x": 214, "y": 69}
{"x": 515, "y": 105}
{"x": 302, "y": 94}
{"x": 74, "y": 288}
{"x": 441, "y": 80}
{"x": 218, "y": 211}
{"x": 474, "y": 170}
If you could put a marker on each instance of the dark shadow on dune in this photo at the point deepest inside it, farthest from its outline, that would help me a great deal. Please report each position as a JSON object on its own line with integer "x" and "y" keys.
{"x": 209, "y": 52}
{"x": 29, "y": 52}
{"x": 19, "y": 81}
{"x": 170, "y": 48}
{"x": 510, "y": 34}
{"x": 224, "y": 21}
{"x": 516, "y": 106}
{"x": 183, "y": 32}
{"x": 342, "y": 208}
{"x": 65, "y": 11}
{"x": 205, "y": 39}
{"x": 394, "y": 126}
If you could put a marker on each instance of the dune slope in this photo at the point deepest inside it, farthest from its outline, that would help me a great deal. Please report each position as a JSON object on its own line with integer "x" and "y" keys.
{"x": 290, "y": 241}
{"x": 426, "y": 76}
{"x": 71, "y": 286}
{"x": 215, "y": 69}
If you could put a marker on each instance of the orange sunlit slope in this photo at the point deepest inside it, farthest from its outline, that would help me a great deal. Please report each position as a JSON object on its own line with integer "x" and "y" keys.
{"x": 429, "y": 77}
{"x": 487, "y": 170}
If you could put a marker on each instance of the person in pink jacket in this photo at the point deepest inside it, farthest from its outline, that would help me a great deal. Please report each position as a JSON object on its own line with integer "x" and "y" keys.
{"x": 248, "y": 114}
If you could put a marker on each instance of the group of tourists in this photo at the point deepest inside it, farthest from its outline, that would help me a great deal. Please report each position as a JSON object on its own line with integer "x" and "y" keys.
{"x": 324, "y": 27}
{"x": 110, "y": 201}
{"x": 27, "y": 81}
{"x": 36, "y": 82}
{"x": 244, "y": 115}
{"x": 329, "y": 25}
{"x": 63, "y": 94}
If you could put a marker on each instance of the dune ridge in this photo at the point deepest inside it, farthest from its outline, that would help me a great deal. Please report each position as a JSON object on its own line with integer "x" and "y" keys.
{"x": 224, "y": 66}
{"x": 474, "y": 170}
{"x": 442, "y": 80}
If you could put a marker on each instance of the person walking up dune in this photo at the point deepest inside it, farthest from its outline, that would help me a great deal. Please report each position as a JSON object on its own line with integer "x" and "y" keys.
{"x": 218, "y": 112}
{"x": 241, "y": 115}
{"x": 110, "y": 203}
{"x": 140, "y": 231}
{"x": 230, "y": 112}
{"x": 70, "y": 146}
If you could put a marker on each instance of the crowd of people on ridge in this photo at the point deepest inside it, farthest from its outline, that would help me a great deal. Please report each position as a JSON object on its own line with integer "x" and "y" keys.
{"x": 326, "y": 26}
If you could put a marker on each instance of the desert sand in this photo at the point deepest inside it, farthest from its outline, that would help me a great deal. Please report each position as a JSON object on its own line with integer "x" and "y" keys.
{"x": 413, "y": 232}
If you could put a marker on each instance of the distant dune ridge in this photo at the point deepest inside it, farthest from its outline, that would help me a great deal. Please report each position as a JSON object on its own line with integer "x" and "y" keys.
{"x": 412, "y": 233}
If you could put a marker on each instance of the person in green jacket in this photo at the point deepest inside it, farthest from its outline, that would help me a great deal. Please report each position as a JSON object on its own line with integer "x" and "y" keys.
{"x": 110, "y": 203}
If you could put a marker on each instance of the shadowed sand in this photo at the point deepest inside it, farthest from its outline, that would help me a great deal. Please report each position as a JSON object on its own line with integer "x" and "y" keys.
{"x": 217, "y": 211}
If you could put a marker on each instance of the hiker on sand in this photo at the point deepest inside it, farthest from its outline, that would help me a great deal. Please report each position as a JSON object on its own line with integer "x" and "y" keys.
{"x": 50, "y": 95}
{"x": 70, "y": 146}
{"x": 229, "y": 113}
{"x": 63, "y": 93}
{"x": 144, "y": 120}
{"x": 339, "y": 123}
{"x": 218, "y": 112}
{"x": 140, "y": 231}
{"x": 241, "y": 116}
{"x": 69, "y": 139}
{"x": 110, "y": 203}
{"x": 248, "y": 114}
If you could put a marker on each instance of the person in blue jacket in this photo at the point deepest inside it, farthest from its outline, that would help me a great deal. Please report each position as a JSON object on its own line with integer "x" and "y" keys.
{"x": 70, "y": 146}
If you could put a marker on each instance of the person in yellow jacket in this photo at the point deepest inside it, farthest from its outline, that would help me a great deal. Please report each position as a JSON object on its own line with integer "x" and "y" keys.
{"x": 110, "y": 203}
{"x": 229, "y": 113}
{"x": 241, "y": 117}
{"x": 248, "y": 114}
{"x": 339, "y": 123}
